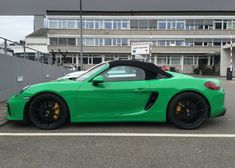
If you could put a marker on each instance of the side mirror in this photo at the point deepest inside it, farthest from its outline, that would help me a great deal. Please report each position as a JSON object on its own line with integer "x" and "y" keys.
{"x": 97, "y": 80}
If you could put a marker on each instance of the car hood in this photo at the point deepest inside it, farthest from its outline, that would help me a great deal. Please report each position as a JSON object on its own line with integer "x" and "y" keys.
{"x": 56, "y": 86}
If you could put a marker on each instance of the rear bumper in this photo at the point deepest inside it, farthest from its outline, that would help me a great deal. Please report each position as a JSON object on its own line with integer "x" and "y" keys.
{"x": 222, "y": 113}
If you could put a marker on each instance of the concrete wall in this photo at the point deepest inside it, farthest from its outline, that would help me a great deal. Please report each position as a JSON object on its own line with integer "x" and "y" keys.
{"x": 225, "y": 61}
{"x": 32, "y": 72}
{"x": 38, "y": 22}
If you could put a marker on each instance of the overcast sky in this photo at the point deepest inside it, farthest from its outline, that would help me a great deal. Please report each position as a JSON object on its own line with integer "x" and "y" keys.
{"x": 15, "y": 28}
{"x": 31, "y": 7}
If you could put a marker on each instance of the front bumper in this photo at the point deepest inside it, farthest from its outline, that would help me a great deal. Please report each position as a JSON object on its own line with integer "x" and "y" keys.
{"x": 15, "y": 108}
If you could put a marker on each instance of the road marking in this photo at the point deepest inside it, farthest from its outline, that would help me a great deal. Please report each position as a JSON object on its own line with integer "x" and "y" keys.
{"x": 117, "y": 135}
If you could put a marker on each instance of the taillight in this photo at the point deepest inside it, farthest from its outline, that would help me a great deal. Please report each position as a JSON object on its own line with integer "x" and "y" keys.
{"x": 211, "y": 85}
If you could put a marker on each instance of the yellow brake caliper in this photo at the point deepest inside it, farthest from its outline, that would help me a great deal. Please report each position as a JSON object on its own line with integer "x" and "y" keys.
{"x": 56, "y": 111}
{"x": 178, "y": 108}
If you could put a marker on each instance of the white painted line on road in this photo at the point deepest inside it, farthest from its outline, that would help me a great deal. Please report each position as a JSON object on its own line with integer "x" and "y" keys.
{"x": 117, "y": 135}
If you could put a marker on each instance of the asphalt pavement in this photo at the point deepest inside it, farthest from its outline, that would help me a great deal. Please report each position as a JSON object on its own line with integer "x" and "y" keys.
{"x": 124, "y": 151}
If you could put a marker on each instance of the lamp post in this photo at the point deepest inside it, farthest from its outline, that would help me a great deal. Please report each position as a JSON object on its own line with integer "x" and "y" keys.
{"x": 231, "y": 51}
{"x": 81, "y": 38}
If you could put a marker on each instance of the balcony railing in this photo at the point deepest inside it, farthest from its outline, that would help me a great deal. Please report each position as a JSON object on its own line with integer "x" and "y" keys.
{"x": 11, "y": 48}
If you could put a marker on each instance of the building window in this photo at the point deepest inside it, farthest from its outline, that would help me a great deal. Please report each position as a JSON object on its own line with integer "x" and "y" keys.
{"x": 53, "y": 41}
{"x": 188, "y": 60}
{"x": 97, "y": 60}
{"x": 71, "y": 41}
{"x": 208, "y": 24}
{"x": 62, "y": 24}
{"x": 171, "y": 24}
{"x": 134, "y": 24}
{"x": 161, "y": 42}
{"x": 67, "y": 60}
{"x": 198, "y": 42}
{"x": 125, "y": 24}
{"x": 175, "y": 60}
{"x": 119, "y": 41}
{"x": 108, "y": 24}
{"x": 143, "y": 24}
{"x": 79, "y": 24}
{"x": 207, "y": 42}
{"x": 199, "y": 24}
{"x": 218, "y": 25}
{"x": 190, "y": 25}
{"x": 161, "y": 60}
{"x": 161, "y": 25}
{"x": 180, "y": 25}
{"x": 62, "y": 41}
{"x": 71, "y": 24}
{"x": 107, "y": 41}
{"x": 117, "y": 24}
{"x": 53, "y": 24}
{"x": 124, "y": 41}
{"x": 109, "y": 58}
{"x": 99, "y": 24}
{"x": 89, "y": 42}
{"x": 89, "y": 24}
{"x": 180, "y": 43}
{"x": 99, "y": 42}
{"x": 152, "y": 24}
{"x": 217, "y": 42}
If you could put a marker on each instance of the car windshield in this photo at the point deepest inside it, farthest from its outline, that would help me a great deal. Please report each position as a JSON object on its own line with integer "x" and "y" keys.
{"x": 91, "y": 71}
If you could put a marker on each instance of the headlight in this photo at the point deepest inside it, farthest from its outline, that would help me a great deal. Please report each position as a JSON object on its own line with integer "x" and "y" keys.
{"x": 26, "y": 87}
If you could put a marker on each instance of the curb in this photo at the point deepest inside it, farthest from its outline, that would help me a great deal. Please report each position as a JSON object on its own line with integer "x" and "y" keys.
{"x": 3, "y": 110}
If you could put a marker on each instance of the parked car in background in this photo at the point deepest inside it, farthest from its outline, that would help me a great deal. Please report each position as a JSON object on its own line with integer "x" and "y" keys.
{"x": 70, "y": 67}
{"x": 164, "y": 67}
{"x": 72, "y": 76}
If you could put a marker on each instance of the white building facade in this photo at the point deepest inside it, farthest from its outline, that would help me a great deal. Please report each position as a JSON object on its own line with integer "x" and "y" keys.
{"x": 183, "y": 40}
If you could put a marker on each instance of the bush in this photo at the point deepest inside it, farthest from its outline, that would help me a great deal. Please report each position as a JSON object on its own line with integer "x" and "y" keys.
{"x": 208, "y": 71}
{"x": 173, "y": 69}
{"x": 196, "y": 71}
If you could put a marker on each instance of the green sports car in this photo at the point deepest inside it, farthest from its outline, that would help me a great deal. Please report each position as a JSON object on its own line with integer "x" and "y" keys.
{"x": 120, "y": 91}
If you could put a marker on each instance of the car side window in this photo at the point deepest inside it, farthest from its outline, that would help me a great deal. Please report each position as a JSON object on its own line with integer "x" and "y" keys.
{"x": 124, "y": 73}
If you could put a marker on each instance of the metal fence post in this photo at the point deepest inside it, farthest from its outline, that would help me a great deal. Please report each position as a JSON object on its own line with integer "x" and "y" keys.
{"x": 5, "y": 46}
{"x": 24, "y": 51}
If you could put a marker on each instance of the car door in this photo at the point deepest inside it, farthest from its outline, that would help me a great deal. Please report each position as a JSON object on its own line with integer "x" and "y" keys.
{"x": 123, "y": 92}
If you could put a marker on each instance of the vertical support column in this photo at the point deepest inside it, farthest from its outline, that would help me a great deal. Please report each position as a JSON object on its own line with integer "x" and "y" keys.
{"x": 208, "y": 60}
{"x": 182, "y": 62}
{"x": 213, "y": 60}
{"x": 103, "y": 58}
{"x": 155, "y": 59}
{"x": 5, "y": 46}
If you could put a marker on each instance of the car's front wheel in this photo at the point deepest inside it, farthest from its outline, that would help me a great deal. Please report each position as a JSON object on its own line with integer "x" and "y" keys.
{"x": 188, "y": 110}
{"x": 48, "y": 111}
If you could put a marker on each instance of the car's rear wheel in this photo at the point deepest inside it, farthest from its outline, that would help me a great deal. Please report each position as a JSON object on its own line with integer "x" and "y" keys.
{"x": 188, "y": 110}
{"x": 48, "y": 111}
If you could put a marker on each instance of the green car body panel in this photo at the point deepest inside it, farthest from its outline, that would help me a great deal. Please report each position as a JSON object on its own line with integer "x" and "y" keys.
{"x": 122, "y": 101}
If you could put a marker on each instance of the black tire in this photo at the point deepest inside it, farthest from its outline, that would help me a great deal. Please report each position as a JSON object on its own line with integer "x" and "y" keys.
{"x": 48, "y": 111}
{"x": 188, "y": 110}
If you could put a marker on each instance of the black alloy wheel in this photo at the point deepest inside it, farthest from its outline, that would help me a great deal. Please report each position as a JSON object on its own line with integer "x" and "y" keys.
{"x": 48, "y": 111}
{"x": 188, "y": 110}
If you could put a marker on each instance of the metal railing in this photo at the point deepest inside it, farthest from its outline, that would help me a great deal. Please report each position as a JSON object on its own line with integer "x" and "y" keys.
{"x": 7, "y": 47}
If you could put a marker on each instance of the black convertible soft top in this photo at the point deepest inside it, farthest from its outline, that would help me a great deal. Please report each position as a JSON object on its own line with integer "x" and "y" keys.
{"x": 143, "y": 65}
